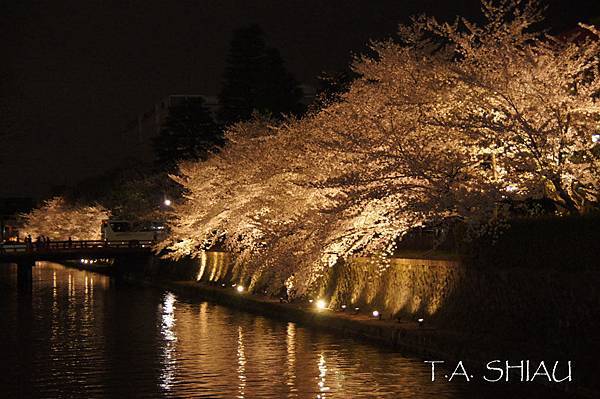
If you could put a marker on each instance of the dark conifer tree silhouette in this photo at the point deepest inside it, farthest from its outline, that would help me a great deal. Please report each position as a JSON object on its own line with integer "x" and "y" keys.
{"x": 332, "y": 85}
{"x": 256, "y": 79}
{"x": 189, "y": 133}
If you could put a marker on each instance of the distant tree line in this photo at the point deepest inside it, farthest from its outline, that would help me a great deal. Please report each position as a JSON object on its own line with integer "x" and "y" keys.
{"x": 255, "y": 81}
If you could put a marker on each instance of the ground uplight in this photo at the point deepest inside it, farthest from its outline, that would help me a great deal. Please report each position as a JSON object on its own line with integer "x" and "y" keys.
{"x": 321, "y": 304}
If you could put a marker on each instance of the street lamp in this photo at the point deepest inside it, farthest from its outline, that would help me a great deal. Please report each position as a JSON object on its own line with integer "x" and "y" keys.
{"x": 167, "y": 202}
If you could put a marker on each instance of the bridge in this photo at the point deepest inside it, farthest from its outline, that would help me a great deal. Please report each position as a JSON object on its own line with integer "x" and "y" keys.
{"x": 26, "y": 254}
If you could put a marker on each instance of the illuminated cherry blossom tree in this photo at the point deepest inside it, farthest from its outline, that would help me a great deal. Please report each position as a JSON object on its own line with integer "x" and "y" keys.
{"x": 59, "y": 220}
{"x": 528, "y": 100}
{"x": 452, "y": 121}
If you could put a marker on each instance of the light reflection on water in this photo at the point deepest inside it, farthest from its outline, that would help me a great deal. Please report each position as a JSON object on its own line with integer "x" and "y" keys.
{"x": 322, "y": 374}
{"x": 169, "y": 355}
{"x": 241, "y": 364}
{"x": 80, "y": 334}
{"x": 290, "y": 373}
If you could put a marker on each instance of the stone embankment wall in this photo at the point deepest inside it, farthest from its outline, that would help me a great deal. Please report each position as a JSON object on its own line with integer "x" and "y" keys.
{"x": 518, "y": 303}
{"x": 453, "y": 295}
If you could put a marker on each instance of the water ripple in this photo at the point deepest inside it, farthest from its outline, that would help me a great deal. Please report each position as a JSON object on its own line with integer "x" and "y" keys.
{"x": 82, "y": 335}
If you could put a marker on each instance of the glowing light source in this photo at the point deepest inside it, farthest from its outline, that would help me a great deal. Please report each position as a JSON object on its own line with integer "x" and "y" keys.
{"x": 376, "y": 314}
{"x": 420, "y": 321}
{"x": 344, "y": 308}
{"x": 595, "y": 138}
{"x": 167, "y": 202}
{"x": 321, "y": 304}
{"x": 240, "y": 288}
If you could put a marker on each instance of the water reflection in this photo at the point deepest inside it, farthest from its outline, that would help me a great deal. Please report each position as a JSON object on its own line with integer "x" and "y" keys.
{"x": 241, "y": 363}
{"x": 71, "y": 286}
{"x": 322, "y": 374}
{"x": 170, "y": 338}
{"x": 290, "y": 375}
{"x": 55, "y": 326}
{"x": 77, "y": 335}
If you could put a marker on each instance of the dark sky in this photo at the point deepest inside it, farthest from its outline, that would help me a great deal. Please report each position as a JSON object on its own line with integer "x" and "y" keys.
{"x": 74, "y": 73}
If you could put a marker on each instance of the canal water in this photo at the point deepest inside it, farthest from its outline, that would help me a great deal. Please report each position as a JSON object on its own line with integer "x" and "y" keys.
{"x": 77, "y": 334}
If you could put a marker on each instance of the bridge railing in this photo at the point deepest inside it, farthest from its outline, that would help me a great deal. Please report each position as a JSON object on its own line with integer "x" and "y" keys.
{"x": 70, "y": 245}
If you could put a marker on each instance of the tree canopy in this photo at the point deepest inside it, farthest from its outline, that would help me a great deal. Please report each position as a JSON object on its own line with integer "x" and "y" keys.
{"x": 58, "y": 220}
{"x": 452, "y": 121}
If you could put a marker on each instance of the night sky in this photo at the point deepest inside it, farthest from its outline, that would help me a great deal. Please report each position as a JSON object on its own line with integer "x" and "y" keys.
{"x": 74, "y": 73}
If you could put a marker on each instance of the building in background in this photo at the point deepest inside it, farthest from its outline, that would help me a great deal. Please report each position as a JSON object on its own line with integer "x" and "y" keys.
{"x": 138, "y": 134}
{"x": 308, "y": 94}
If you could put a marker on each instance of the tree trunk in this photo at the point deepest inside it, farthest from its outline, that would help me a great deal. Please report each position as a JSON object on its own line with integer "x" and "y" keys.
{"x": 567, "y": 202}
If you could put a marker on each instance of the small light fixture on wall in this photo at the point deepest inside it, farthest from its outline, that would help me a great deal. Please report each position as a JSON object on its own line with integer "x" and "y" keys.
{"x": 321, "y": 304}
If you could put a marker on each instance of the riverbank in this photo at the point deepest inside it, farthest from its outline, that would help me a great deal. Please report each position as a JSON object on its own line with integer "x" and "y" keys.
{"x": 82, "y": 334}
{"x": 429, "y": 340}
{"x": 414, "y": 338}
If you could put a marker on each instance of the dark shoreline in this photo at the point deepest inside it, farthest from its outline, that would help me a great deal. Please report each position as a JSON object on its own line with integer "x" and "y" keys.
{"x": 424, "y": 341}
{"x": 406, "y": 336}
